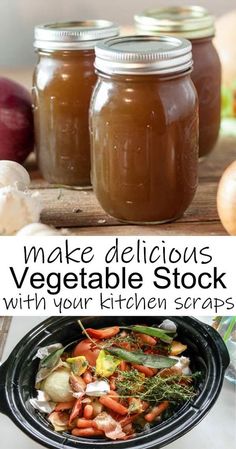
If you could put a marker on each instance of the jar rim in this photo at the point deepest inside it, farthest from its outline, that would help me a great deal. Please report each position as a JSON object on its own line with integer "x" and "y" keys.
{"x": 143, "y": 55}
{"x": 73, "y": 35}
{"x": 191, "y": 22}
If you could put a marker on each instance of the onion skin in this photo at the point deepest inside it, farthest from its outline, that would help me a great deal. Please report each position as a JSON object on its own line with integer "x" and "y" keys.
{"x": 16, "y": 121}
{"x": 226, "y": 199}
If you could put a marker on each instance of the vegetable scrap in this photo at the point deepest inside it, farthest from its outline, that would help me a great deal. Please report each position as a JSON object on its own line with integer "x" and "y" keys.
{"x": 116, "y": 382}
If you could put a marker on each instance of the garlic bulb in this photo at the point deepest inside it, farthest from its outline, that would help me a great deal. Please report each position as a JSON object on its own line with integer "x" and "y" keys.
{"x": 17, "y": 209}
{"x": 38, "y": 229}
{"x": 13, "y": 174}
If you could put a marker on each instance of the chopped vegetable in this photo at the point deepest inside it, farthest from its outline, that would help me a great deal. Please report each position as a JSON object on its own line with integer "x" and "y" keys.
{"x": 106, "y": 364}
{"x": 100, "y": 334}
{"x": 78, "y": 364}
{"x": 156, "y": 411}
{"x": 88, "y": 432}
{"x": 110, "y": 403}
{"x": 177, "y": 348}
{"x": 57, "y": 386}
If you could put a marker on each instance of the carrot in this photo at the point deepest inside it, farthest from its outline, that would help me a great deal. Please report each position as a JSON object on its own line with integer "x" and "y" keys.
{"x": 112, "y": 383}
{"x": 83, "y": 423}
{"x": 100, "y": 334}
{"x": 88, "y": 432}
{"x": 61, "y": 406}
{"x": 145, "y": 370}
{"x": 75, "y": 410}
{"x": 87, "y": 377}
{"x": 114, "y": 395}
{"x": 88, "y": 411}
{"x": 156, "y": 411}
{"x": 110, "y": 403}
{"x": 147, "y": 339}
{"x": 123, "y": 366}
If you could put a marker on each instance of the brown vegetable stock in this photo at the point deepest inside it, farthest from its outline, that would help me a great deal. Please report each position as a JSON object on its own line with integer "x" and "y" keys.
{"x": 62, "y": 88}
{"x": 206, "y": 76}
{"x": 144, "y": 139}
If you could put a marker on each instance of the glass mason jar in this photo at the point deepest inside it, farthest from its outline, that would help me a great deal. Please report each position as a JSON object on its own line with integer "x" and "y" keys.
{"x": 197, "y": 25}
{"x": 144, "y": 128}
{"x": 63, "y": 81}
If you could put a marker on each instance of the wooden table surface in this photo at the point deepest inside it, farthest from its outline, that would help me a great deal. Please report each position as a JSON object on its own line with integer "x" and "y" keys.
{"x": 79, "y": 210}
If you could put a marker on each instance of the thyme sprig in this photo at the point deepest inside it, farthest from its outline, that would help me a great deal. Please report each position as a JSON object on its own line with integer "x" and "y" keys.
{"x": 174, "y": 388}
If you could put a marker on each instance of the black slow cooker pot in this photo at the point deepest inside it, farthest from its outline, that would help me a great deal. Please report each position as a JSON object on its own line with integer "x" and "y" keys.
{"x": 17, "y": 376}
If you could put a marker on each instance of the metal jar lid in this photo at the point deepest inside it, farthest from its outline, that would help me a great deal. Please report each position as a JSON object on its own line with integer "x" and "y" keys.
{"x": 191, "y": 22}
{"x": 73, "y": 35}
{"x": 143, "y": 55}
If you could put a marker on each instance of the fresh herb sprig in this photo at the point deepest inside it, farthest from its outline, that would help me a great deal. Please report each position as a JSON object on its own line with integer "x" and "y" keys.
{"x": 174, "y": 388}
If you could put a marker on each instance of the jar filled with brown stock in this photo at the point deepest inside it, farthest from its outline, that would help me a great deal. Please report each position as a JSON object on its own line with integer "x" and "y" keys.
{"x": 144, "y": 128}
{"x": 197, "y": 25}
{"x": 64, "y": 78}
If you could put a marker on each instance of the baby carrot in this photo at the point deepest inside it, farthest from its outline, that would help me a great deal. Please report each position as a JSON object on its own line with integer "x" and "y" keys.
{"x": 114, "y": 395}
{"x": 123, "y": 365}
{"x": 83, "y": 423}
{"x": 145, "y": 370}
{"x": 156, "y": 411}
{"x": 88, "y": 432}
{"x": 88, "y": 411}
{"x": 110, "y": 403}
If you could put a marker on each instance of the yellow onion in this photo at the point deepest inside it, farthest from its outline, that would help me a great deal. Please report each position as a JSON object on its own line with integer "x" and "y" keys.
{"x": 226, "y": 199}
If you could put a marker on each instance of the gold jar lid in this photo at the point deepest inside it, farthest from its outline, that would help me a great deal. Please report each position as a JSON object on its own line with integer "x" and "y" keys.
{"x": 191, "y": 22}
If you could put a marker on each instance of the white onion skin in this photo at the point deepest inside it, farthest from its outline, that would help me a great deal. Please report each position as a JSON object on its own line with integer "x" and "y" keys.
{"x": 226, "y": 199}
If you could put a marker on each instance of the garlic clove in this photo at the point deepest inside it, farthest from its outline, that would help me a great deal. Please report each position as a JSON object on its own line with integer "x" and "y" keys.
{"x": 97, "y": 388}
{"x": 17, "y": 209}
{"x": 168, "y": 325}
{"x": 183, "y": 364}
{"x": 13, "y": 174}
{"x": 39, "y": 229}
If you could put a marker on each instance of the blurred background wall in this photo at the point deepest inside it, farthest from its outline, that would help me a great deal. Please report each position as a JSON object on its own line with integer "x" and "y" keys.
{"x": 18, "y": 17}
